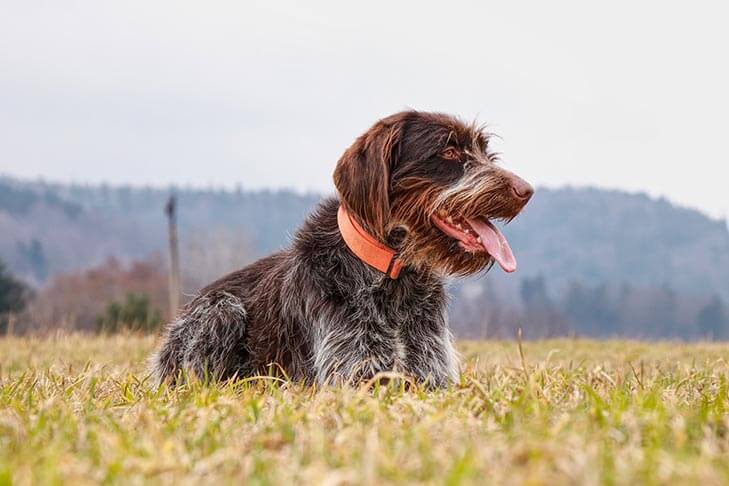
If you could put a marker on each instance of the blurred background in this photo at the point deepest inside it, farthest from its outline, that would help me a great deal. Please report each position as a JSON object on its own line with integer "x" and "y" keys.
{"x": 616, "y": 112}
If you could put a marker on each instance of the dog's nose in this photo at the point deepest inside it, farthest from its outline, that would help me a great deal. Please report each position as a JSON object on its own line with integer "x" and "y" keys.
{"x": 522, "y": 189}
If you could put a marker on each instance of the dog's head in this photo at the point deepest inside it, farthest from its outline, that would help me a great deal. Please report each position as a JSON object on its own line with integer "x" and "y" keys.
{"x": 426, "y": 184}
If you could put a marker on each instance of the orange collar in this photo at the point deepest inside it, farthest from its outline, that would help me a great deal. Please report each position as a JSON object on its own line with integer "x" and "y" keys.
{"x": 366, "y": 247}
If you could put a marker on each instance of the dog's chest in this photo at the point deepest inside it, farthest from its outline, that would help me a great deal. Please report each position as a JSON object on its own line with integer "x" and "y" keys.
{"x": 398, "y": 328}
{"x": 405, "y": 317}
{"x": 382, "y": 323}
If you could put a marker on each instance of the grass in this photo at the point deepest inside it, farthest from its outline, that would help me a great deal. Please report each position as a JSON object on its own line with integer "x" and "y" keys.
{"x": 76, "y": 409}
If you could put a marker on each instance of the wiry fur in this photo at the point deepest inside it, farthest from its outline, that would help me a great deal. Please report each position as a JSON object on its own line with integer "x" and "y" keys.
{"x": 316, "y": 312}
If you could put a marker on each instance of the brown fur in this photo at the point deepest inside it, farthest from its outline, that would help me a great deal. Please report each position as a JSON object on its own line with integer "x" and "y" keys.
{"x": 322, "y": 315}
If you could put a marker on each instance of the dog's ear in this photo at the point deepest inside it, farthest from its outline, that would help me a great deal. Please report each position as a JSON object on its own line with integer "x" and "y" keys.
{"x": 362, "y": 176}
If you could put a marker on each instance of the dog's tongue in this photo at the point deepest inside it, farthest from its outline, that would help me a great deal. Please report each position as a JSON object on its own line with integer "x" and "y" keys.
{"x": 495, "y": 243}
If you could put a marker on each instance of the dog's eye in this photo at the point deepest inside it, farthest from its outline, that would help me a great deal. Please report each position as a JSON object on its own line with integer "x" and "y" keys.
{"x": 450, "y": 154}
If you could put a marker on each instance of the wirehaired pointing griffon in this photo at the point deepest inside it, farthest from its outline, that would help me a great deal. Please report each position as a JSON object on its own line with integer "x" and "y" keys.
{"x": 360, "y": 289}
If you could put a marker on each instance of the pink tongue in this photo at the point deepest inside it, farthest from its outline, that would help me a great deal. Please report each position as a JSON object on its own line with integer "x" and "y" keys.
{"x": 495, "y": 243}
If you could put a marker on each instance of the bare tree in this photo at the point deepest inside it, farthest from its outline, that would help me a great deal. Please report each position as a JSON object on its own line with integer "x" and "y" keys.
{"x": 171, "y": 212}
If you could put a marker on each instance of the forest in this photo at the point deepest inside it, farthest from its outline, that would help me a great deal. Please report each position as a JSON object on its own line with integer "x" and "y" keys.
{"x": 592, "y": 262}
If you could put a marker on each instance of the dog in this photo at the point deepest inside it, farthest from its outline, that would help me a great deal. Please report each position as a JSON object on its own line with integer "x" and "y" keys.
{"x": 360, "y": 290}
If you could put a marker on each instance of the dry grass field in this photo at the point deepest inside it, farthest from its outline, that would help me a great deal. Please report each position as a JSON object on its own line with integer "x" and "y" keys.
{"x": 76, "y": 409}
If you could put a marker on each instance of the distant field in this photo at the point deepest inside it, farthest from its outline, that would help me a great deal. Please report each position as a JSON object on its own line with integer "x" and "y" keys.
{"x": 76, "y": 409}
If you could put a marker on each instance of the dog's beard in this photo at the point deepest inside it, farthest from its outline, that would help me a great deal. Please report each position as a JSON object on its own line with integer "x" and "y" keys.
{"x": 477, "y": 235}
{"x": 440, "y": 253}
{"x": 451, "y": 229}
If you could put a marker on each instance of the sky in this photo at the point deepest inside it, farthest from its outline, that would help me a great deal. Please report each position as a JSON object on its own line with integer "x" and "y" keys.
{"x": 621, "y": 94}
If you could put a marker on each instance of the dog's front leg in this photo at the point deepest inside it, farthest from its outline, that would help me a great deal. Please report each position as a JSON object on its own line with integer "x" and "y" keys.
{"x": 430, "y": 356}
{"x": 355, "y": 350}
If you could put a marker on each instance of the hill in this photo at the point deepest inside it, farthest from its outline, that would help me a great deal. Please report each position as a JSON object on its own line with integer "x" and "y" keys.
{"x": 586, "y": 235}
{"x": 599, "y": 236}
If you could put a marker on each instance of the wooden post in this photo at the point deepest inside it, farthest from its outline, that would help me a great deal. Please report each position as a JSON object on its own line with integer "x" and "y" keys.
{"x": 11, "y": 324}
{"x": 171, "y": 212}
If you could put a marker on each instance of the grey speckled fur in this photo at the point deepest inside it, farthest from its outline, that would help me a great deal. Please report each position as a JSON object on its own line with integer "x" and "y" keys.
{"x": 316, "y": 311}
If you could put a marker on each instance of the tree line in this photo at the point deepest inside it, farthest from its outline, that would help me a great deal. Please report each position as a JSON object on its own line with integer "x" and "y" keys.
{"x": 115, "y": 296}
{"x": 597, "y": 310}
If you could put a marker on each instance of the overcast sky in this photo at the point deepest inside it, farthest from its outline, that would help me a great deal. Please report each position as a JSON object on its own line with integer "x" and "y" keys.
{"x": 620, "y": 94}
